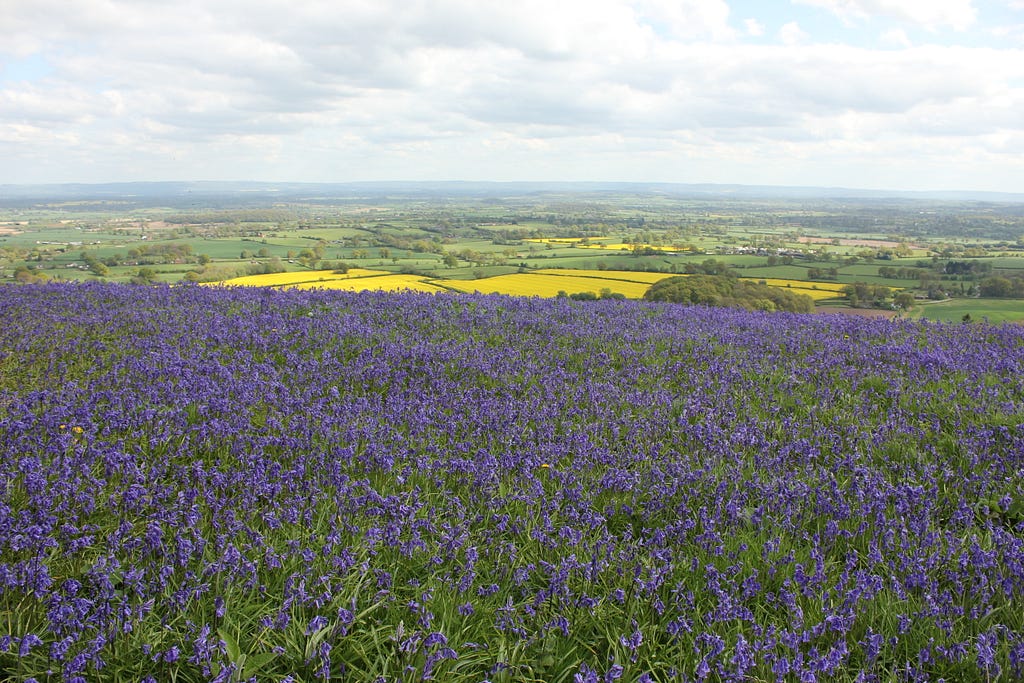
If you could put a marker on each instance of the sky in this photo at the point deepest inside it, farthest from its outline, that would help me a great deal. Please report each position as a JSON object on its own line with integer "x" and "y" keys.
{"x": 878, "y": 94}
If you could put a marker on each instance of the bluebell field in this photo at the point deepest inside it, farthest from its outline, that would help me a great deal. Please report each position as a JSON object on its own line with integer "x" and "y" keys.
{"x": 214, "y": 484}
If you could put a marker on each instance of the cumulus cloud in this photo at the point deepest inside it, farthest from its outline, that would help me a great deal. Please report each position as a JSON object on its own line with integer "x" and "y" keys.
{"x": 688, "y": 18}
{"x": 930, "y": 14}
{"x": 361, "y": 89}
{"x": 896, "y": 37}
{"x": 792, "y": 34}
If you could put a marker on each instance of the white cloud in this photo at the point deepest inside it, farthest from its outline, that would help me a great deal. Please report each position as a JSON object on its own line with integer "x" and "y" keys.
{"x": 688, "y": 18}
{"x": 896, "y": 37}
{"x": 583, "y": 89}
{"x": 792, "y": 34}
{"x": 1008, "y": 31}
{"x": 931, "y": 14}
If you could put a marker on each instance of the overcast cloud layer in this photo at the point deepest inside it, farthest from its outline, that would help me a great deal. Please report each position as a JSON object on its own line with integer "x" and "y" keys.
{"x": 889, "y": 94}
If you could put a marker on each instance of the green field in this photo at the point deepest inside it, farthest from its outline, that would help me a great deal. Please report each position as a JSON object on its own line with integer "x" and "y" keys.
{"x": 475, "y": 237}
{"x": 993, "y": 310}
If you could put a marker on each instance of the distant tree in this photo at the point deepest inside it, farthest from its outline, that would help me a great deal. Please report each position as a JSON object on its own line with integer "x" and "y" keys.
{"x": 904, "y": 300}
{"x": 26, "y": 275}
{"x": 998, "y": 286}
{"x": 864, "y": 294}
{"x": 144, "y": 276}
{"x": 607, "y": 293}
{"x": 95, "y": 266}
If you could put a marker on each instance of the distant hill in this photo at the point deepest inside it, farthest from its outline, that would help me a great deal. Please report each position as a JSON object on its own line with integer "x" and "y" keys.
{"x": 247, "y": 193}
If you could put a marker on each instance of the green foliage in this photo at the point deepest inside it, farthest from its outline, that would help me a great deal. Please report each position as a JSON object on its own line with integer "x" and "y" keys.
{"x": 144, "y": 276}
{"x": 716, "y": 290}
{"x": 904, "y": 300}
{"x": 864, "y": 294}
{"x": 274, "y": 265}
{"x": 1003, "y": 287}
{"x": 26, "y": 275}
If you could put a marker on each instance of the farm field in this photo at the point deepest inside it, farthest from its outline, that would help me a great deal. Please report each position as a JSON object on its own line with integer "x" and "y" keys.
{"x": 818, "y": 291}
{"x": 522, "y": 284}
{"x": 543, "y": 283}
{"x": 599, "y": 243}
{"x": 627, "y": 275}
{"x": 994, "y": 310}
{"x": 383, "y": 283}
{"x": 533, "y": 284}
{"x": 833, "y": 287}
{"x": 283, "y": 485}
{"x": 298, "y": 277}
{"x": 927, "y": 250}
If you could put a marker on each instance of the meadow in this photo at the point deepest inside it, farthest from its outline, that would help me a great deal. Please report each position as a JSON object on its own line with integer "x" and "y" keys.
{"x": 991, "y": 310}
{"x": 282, "y": 485}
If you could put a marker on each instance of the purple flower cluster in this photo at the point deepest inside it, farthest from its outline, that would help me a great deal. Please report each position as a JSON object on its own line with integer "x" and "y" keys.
{"x": 257, "y": 485}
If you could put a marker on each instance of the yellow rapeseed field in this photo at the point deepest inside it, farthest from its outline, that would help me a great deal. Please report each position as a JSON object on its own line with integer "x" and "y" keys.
{"x": 386, "y": 283}
{"x": 620, "y": 246}
{"x": 595, "y": 243}
{"x": 545, "y": 283}
{"x": 816, "y": 294}
{"x": 556, "y": 240}
{"x": 815, "y": 290}
{"x": 279, "y": 279}
{"x": 802, "y": 284}
{"x": 537, "y": 284}
{"x": 628, "y": 275}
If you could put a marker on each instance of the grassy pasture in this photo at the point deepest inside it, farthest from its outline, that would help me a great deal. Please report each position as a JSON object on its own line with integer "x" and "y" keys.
{"x": 993, "y": 310}
{"x": 1007, "y": 262}
{"x": 329, "y": 234}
